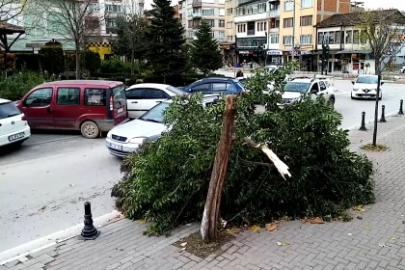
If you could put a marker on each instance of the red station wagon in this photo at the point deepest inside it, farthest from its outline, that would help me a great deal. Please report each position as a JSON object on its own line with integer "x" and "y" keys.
{"x": 87, "y": 105}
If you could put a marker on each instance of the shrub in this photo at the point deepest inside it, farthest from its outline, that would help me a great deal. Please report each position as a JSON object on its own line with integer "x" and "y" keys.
{"x": 168, "y": 180}
{"x": 92, "y": 61}
{"x": 115, "y": 65}
{"x": 28, "y": 62}
{"x": 16, "y": 86}
{"x": 52, "y": 59}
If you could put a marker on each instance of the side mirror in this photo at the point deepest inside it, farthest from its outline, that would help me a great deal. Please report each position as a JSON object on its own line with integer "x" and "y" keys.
{"x": 353, "y": 82}
{"x": 382, "y": 83}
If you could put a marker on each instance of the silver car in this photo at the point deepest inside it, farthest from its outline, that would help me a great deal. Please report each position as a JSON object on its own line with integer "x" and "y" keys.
{"x": 128, "y": 137}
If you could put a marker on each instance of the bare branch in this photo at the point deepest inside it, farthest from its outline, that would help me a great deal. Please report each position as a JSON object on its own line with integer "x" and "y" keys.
{"x": 10, "y": 9}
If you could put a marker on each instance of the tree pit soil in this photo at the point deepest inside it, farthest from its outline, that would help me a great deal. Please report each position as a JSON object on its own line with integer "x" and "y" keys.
{"x": 196, "y": 246}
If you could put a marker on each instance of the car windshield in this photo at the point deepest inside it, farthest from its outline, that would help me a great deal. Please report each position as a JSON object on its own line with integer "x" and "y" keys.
{"x": 174, "y": 90}
{"x": 8, "y": 110}
{"x": 367, "y": 79}
{"x": 156, "y": 113}
{"x": 297, "y": 87}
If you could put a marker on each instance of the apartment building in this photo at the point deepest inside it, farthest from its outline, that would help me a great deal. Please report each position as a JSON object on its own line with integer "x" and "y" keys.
{"x": 228, "y": 47}
{"x": 297, "y": 33}
{"x": 192, "y": 12}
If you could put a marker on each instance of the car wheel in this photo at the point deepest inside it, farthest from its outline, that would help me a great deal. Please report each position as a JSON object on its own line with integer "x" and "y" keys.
{"x": 89, "y": 130}
{"x": 331, "y": 102}
{"x": 380, "y": 97}
{"x": 351, "y": 96}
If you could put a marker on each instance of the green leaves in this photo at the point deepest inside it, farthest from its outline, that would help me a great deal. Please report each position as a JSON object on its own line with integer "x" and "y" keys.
{"x": 168, "y": 179}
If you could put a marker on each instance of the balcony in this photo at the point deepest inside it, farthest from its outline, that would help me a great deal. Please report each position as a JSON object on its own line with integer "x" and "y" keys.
{"x": 275, "y": 13}
{"x": 274, "y": 30}
{"x": 251, "y": 32}
{"x": 196, "y": 4}
{"x": 197, "y": 15}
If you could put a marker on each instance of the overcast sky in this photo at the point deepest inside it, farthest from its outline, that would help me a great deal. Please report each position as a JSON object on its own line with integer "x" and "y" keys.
{"x": 372, "y": 4}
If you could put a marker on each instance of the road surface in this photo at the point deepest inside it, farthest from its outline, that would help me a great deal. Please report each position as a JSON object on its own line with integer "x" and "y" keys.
{"x": 44, "y": 185}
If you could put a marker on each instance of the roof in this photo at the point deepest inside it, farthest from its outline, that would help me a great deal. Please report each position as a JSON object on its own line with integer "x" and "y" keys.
{"x": 83, "y": 82}
{"x": 219, "y": 79}
{"x": 356, "y": 18}
{"x": 151, "y": 85}
{"x": 11, "y": 28}
{"x": 2, "y": 101}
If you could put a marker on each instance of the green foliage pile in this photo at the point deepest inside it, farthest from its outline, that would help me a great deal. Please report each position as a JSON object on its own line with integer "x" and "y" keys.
{"x": 167, "y": 180}
{"x": 52, "y": 59}
{"x": 28, "y": 61}
{"x": 16, "y": 86}
{"x": 205, "y": 52}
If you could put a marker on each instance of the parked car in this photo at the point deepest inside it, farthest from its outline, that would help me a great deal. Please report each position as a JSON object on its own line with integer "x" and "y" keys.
{"x": 296, "y": 88}
{"x": 128, "y": 137}
{"x": 142, "y": 97}
{"x": 215, "y": 85}
{"x": 87, "y": 105}
{"x": 365, "y": 87}
{"x": 14, "y": 128}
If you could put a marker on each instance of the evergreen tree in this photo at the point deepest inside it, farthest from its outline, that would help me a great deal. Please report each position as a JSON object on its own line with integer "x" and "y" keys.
{"x": 206, "y": 54}
{"x": 165, "y": 36}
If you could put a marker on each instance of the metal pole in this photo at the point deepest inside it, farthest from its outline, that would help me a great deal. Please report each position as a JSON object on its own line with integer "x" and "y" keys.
{"x": 293, "y": 38}
{"x": 363, "y": 122}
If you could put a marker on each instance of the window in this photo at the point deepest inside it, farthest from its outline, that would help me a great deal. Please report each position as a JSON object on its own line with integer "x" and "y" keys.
{"x": 320, "y": 37}
{"x": 219, "y": 87}
{"x": 306, "y": 21}
{"x": 251, "y": 9}
{"x": 150, "y": 93}
{"x": 190, "y": 34}
{"x": 211, "y": 22}
{"x": 363, "y": 37}
{"x": 174, "y": 90}
{"x": 229, "y": 25}
{"x": 221, "y": 23}
{"x": 68, "y": 96}
{"x": 8, "y": 110}
{"x": 156, "y": 113}
{"x": 306, "y": 3}
{"x": 119, "y": 96}
{"x": 287, "y": 40}
{"x": 229, "y": 38}
{"x": 349, "y": 37}
{"x": 274, "y": 38}
{"x": 306, "y": 39}
{"x": 250, "y": 42}
{"x": 110, "y": 23}
{"x": 322, "y": 85}
{"x": 207, "y": 12}
{"x": 134, "y": 93}
{"x": 356, "y": 37}
{"x": 39, "y": 98}
{"x": 204, "y": 88}
{"x": 288, "y": 22}
{"x": 277, "y": 24}
{"x": 94, "y": 97}
{"x": 190, "y": 12}
{"x": 288, "y": 5}
{"x": 190, "y": 23}
{"x": 229, "y": 11}
{"x": 221, "y": 34}
{"x": 113, "y": 8}
{"x": 241, "y": 28}
{"x": 261, "y": 26}
{"x": 221, "y": 12}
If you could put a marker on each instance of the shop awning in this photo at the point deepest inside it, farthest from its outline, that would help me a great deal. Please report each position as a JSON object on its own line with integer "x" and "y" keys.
{"x": 354, "y": 52}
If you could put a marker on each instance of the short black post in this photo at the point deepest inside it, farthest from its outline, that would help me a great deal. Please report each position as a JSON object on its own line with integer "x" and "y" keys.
{"x": 401, "y": 111}
{"x": 383, "y": 114}
{"x": 363, "y": 121}
{"x": 89, "y": 232}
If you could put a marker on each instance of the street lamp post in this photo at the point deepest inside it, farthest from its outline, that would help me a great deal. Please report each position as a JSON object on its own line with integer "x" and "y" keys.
{"x": 293, "y": 37}
{"x": 325, "y": 54}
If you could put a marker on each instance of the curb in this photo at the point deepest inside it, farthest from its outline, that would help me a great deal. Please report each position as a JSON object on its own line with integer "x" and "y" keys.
{"x": 369, "y": 121}
{"x": 55, "y": 238}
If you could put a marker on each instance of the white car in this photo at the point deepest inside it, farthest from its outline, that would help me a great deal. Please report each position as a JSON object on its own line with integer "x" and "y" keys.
{"x": 142, "y": 97}
{"x": 365, "y": 87}
{"x": 14, "y": 128}
{"x": 296, "y": 88}
{"x": 128, "y": 137}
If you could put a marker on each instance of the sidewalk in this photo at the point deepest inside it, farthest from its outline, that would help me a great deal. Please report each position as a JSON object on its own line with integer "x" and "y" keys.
{"x": 377, "y": 241}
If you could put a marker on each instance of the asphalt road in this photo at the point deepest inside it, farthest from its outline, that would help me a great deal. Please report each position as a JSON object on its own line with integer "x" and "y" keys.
{"x": 44, "y": 184}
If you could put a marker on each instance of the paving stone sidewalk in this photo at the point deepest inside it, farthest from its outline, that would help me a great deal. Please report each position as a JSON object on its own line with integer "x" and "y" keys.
{"x": 377, "y": 241}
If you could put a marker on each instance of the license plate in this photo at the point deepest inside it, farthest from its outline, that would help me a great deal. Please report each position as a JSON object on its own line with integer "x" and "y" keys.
{"x": 115, "y": 146}
{"x": 15, "y": 137}
{"x": 120, "y": 110}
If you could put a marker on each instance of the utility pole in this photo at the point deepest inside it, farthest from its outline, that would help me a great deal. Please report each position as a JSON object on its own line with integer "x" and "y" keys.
{"x": 325, "y": 54}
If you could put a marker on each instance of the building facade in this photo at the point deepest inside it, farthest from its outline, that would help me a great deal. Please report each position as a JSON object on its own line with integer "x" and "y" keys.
{"x": 192, "y": 12}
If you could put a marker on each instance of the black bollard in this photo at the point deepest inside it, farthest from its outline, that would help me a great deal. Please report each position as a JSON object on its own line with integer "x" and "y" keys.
{"x": 89, "y": 232}
{"x": 363, "y": 122}
{"x": 401, "y": 111}
{"x": 383, "y": 114}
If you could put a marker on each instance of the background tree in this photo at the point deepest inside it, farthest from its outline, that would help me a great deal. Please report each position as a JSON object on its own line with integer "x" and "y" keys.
{"x": 77, "y": 20}
{"x": 10, "y": 9}
{"x": 383, "y": 30}
{"x": 165, "y": 36}
{"x": 52, "y": 58}
{"x": 131, "y": 40}
{"x": 206, "y": 54}
{"x": 92, "y": 62}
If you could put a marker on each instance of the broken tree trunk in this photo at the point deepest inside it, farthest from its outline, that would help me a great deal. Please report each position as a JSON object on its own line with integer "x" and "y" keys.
{"x": 209, "y": 223}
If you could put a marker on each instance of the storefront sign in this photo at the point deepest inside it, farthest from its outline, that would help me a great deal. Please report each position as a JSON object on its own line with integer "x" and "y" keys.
{"x": 243, "y": 52}
{"x": 274, "y": 52}
{"x": 226, "y": 47}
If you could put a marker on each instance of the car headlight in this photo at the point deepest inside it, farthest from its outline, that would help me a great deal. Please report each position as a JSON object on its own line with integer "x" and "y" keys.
{"x": 137, "y": 140}
{"x": 355, "y": 89}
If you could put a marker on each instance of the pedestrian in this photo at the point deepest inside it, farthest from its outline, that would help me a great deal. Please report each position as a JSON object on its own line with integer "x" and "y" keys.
{"x": 239, "y": 73}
